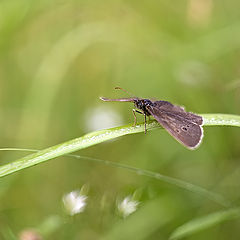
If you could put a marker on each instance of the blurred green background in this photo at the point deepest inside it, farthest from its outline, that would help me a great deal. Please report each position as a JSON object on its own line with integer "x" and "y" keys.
{"x": 56, "y": 59}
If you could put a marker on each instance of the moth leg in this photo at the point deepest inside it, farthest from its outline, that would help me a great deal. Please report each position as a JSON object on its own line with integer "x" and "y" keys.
{"x": 134, "y": 114}
{"x": 145, "y": 125}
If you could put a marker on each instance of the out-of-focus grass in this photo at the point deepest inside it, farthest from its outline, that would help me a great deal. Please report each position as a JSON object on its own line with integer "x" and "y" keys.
{"x": 204, "y": 222}
{"x": 58, "y": 57}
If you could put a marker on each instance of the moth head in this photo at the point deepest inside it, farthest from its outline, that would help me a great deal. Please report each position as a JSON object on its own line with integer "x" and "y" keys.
{"x": 142, "y": 104}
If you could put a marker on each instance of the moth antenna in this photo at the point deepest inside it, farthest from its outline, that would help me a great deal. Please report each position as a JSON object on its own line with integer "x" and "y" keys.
{"x": 130, "y": 94}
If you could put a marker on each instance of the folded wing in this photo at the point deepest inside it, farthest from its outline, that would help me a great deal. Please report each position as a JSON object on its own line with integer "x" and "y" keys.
{"x": 183, "y": 126}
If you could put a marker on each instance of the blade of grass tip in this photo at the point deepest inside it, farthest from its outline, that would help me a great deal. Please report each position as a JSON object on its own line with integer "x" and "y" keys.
{"x": 220, "y": 119}
{"x": 199, "y": 224}
{"x": 179, "y": 183}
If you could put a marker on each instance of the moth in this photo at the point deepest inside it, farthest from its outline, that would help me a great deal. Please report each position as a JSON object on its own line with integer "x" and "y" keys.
{"x": 185, "y": 127}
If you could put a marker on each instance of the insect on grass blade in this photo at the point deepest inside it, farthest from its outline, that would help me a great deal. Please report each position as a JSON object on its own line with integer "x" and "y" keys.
{"x": 185, "y": 127}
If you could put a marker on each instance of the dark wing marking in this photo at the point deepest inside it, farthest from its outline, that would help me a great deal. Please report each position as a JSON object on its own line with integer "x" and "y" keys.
{"x": 183, "y": 126}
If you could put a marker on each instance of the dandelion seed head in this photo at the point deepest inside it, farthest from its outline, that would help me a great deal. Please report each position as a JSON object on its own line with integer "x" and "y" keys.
{"x": 74, "y": 202}
{"x": 127, "y": 206}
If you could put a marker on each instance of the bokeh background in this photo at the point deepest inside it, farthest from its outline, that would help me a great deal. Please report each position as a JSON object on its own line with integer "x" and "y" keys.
{"x": 56, "y": 59}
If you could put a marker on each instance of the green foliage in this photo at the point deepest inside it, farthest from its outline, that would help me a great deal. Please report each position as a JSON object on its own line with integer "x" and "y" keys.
{"x": 205, "y": 222}
{"x": 58, "y": 57}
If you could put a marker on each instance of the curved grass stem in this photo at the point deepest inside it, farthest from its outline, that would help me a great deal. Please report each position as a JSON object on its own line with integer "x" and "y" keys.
{"x": 99, "y": 137}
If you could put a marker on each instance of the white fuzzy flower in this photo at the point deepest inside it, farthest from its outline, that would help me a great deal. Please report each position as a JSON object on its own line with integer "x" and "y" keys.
{"x": 74, "y": 202}
{"x": 127, "y": 206}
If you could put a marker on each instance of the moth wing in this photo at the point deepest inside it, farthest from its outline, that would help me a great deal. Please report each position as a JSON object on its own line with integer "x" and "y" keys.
{"x": 179, "y": 125}
{"x": 180, "y": 111}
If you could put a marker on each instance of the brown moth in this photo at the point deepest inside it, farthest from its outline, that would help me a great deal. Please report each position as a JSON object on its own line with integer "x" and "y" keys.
{"x": 185, "y": 127}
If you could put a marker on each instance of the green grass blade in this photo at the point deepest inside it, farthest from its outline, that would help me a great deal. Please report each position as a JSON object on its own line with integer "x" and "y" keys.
{"x": 99, "y": 137}
{"x": 204, "y": 222}
{"x": 71, "y": 146}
